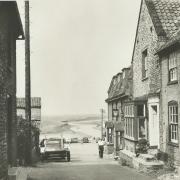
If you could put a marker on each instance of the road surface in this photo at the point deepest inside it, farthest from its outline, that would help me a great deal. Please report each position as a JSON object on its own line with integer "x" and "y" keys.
{"x": 85, "y": 165}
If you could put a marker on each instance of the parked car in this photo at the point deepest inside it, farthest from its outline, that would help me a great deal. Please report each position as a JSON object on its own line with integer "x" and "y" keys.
{"x": 68, "y": 140}
{"x": 54, "y": 148}
{"x": 74, "y": 140}
{"x": 85, "y": 140}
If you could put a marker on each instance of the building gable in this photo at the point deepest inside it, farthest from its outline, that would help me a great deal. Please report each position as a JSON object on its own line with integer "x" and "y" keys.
{"x": 143, "y": 59}
{"x": 164, "y": 15}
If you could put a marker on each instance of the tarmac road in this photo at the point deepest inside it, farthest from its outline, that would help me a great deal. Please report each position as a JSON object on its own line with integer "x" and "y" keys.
{"x": 85, "y": 165}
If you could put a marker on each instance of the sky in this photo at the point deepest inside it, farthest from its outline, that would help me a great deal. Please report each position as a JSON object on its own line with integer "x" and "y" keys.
{"x": 76, "y": 48}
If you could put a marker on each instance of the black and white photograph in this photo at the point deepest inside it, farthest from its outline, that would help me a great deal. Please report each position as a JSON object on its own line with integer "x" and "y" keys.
{"x": 90, "y": 90}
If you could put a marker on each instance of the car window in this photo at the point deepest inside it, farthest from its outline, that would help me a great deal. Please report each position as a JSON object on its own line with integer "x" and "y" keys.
{"x": 54, "y": 144}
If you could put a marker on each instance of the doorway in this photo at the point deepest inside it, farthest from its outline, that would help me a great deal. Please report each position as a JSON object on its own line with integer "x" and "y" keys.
{"x": 154, "y": 124}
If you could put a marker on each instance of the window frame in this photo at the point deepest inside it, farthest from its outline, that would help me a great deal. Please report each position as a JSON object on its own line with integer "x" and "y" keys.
{"x": 172, "y": 67}
{"x": 145, "y": 64}
{"x": 129, "y": 120}
{"x": 173, "y": 122}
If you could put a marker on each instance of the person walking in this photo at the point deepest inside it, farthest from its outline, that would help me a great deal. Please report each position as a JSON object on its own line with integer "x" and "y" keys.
{"x": 101, "y": 147}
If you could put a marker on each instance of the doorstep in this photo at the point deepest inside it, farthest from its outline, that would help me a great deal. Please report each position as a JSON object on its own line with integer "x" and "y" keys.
{"x": 18, "y": 173}
{"x": 142, "y": 163}
{"x": 109, "y": 148}
{"x": 170, "y": 176}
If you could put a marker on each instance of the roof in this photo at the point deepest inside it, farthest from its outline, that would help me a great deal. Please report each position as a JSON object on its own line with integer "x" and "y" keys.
{"x": 15, "y": 16}
{"x": 172, "y": 43}
{"x": 165, "y": 15}
{"x": 121, "y": 88}
{"x": 35, "y": 102}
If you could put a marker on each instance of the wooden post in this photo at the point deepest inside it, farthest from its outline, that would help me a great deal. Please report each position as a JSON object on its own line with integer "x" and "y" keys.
{"x": 28, "y": 83}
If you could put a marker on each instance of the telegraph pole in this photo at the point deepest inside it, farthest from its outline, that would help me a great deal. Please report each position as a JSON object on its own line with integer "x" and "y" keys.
{"x": 102, "y": 121}
{"x": 28, "y": 83}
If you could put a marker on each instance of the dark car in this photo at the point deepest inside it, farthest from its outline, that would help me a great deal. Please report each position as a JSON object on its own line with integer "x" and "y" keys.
{"x": 74, "y": 140}
{"x": 54, "y": 148}
{"x": 85, "y": 140}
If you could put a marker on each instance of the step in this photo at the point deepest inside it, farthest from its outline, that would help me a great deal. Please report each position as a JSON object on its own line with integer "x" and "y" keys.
{"x": 144, "y": 162}
{"x": 147, "y": 157}
{"x": 145, "y": 166}
{"x": 153, "y": 151}
{"x": 18, "y": 173}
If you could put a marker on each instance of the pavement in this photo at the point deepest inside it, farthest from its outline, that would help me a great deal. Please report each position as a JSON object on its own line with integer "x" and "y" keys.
{"x": 85, "y": 165}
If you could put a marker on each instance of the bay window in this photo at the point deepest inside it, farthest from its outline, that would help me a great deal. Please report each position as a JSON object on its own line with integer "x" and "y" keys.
{"x": 135, "y": 121}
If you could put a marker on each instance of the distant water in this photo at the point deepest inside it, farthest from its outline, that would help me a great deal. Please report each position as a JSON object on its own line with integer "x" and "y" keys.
{"x": 71, "y": 126}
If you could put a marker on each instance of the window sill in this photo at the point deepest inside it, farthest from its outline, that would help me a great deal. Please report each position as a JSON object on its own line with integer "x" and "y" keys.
{"x": 145, "y": 78}
{"x": 172, "y": 82}
{"x": 173, "y": 144}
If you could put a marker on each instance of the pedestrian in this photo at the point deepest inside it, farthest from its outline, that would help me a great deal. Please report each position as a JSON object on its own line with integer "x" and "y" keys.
{"x": 101, "y": 147}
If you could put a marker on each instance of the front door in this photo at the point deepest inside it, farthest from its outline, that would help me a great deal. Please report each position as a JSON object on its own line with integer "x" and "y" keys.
{"x": 154, "y": 124}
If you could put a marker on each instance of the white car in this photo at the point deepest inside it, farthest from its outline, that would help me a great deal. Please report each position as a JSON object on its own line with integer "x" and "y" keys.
{"x": 54, "y": 148}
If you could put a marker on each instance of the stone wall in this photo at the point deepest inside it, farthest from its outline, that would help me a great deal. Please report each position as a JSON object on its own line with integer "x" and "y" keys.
{"x": 130, "y": 145}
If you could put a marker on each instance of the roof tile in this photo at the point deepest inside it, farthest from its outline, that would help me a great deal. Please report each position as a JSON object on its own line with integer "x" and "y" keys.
{"x": 164, "y": 14}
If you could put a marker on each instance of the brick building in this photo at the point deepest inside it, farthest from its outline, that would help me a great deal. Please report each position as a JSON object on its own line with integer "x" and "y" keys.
{"x": 156, "y": 23}
{"x": 146, "y": 110}
{"x": 170, "y": 98}
{"x": 10, "y": 31}
{"x": 120, "y": 91}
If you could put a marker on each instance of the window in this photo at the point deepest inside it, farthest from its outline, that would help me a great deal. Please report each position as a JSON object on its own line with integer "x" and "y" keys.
{"x": 144, "y": 65}
{"x": 172, "y": 67}
{"x": 140, "y": 110}
{"x": 173, "y": 122}
{"x": 119, "y": 77}
{"x": 124, "y": 74}
{"x": 142, "y": 128}
{"x": 129, "y": 113}
{"x": 110, "y": 135}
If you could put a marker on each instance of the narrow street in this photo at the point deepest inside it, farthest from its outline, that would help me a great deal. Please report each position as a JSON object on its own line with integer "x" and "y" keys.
{"x": 85, "y": 165}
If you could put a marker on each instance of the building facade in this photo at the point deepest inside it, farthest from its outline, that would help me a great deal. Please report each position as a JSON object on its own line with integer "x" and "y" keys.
{"x": 169, "y": 55}
{"x": 152, "y": 110}
{"x": 154, "y": 28}
{"x": 120, "y": 91}
{"x": 10, "y": 31}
